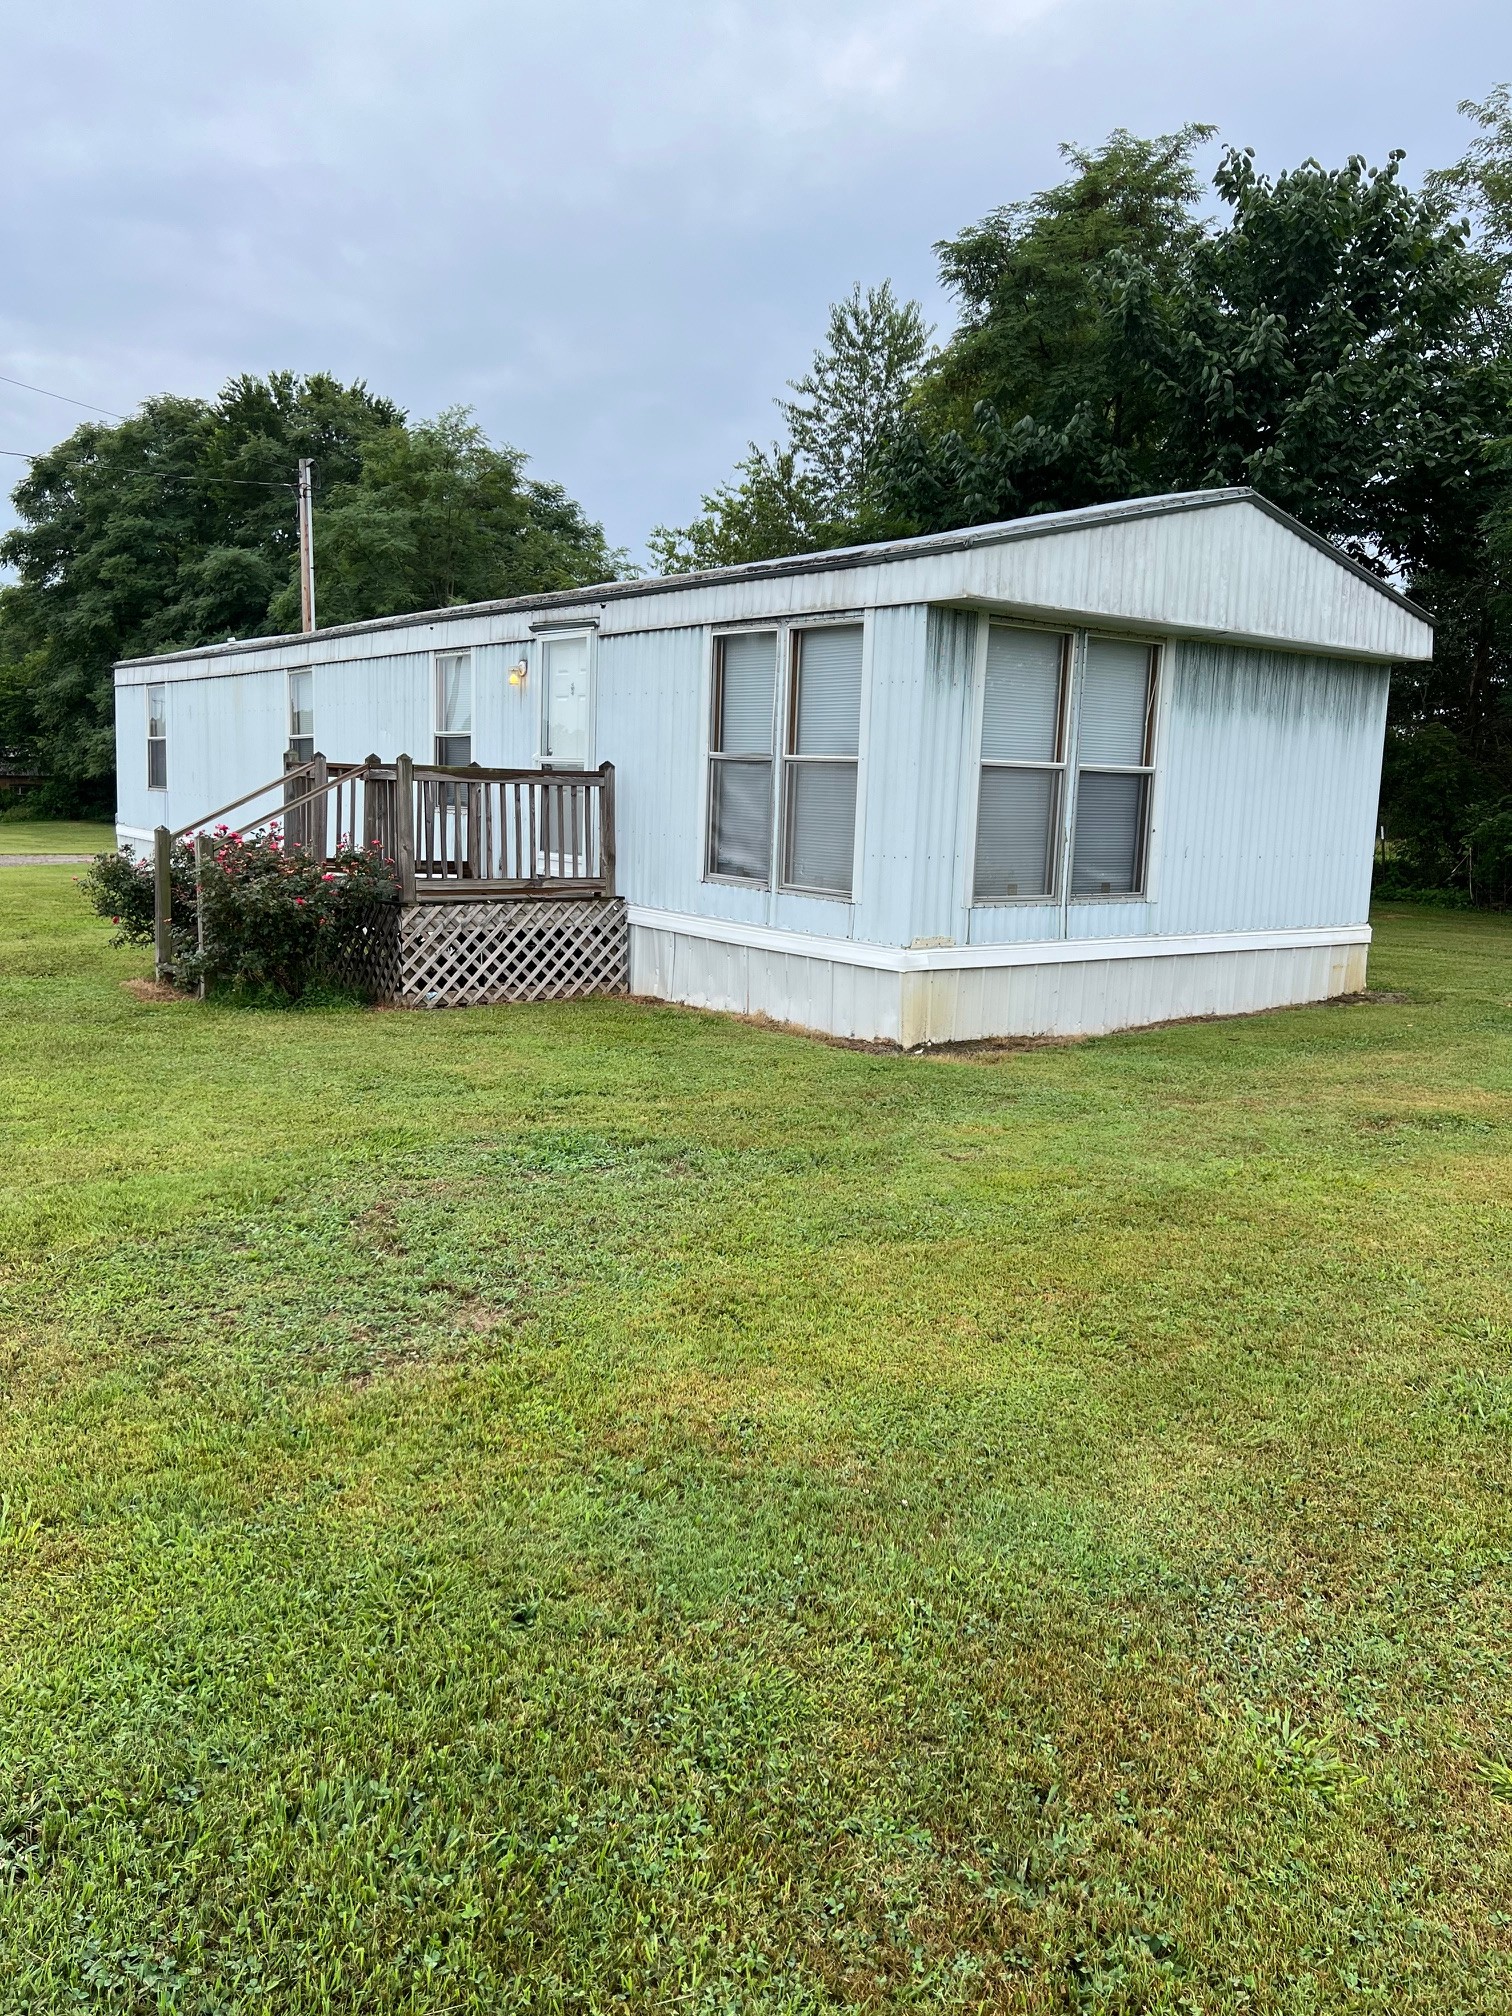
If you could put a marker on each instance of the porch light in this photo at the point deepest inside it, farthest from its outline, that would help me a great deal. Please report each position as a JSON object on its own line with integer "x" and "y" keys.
{"x": 518, "y": 674}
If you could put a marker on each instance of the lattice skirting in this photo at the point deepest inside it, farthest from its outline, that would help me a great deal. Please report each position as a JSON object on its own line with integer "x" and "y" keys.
{"x": 462, "y": 955}
{"x": 368, "y": 961}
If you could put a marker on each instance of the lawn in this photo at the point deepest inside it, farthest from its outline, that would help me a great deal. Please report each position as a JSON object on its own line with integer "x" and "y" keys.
{"x": 54, "y": 836}
{"x": 601, "y": 1508}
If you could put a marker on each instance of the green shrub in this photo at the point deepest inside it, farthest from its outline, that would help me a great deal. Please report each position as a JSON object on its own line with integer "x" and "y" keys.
{"x": 276, "y": 922}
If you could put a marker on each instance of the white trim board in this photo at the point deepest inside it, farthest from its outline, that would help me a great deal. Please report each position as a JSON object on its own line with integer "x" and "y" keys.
{"x": 1034, "y": 952}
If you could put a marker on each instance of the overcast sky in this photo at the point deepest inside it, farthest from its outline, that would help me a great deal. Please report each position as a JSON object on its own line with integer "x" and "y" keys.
{"x": 612, "y": 227}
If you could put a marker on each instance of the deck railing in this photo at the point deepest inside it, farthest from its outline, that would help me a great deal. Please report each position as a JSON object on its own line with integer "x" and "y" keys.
{"x": 450, "y": 833}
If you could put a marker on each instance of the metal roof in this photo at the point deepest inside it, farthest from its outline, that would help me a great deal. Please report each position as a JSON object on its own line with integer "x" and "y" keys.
{"x": 1040, "y": 525}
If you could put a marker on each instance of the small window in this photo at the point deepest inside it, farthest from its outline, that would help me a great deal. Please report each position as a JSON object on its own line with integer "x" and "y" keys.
{"x": 740, "y": 757}
{"x": 1019, "y": 789}
{"x": 1115, "y": 726}
{"x": 157, "y": 738}
{"x": 301, "y": 716}
{"x": 819, "y": 764}
{"x": 453, "y": 709}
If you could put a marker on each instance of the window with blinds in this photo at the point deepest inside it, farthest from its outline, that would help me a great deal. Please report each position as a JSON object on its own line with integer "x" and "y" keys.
{"x": 740, "y": 756}
{"x": 1114, "y": 733}
{"x": 453, "y": 709}
{"x": 820, "y": 754}
{"x": 157, "y": 738}
{"x": 302, "y": 716}
{"x": 1019, "y": 789}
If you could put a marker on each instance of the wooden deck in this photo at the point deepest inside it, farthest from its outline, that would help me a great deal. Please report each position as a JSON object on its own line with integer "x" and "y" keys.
{"x": 522, "y": 861}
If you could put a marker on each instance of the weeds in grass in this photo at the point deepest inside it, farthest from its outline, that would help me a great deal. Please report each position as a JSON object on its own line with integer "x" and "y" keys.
{"x": 599, "y": 1509}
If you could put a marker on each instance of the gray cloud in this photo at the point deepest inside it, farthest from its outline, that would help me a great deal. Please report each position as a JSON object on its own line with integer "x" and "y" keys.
{"x": 613, "y": 229}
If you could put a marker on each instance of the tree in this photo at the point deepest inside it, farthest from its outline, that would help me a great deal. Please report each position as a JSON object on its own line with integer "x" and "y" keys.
{"x": 1043, "y": 398}
{"x": 1329, "y": 347}
{"x": 1447, "y": 796}
{"x": 1323, "y": 343}
{"x": 436, "y": 516}
{"x": 818, "y": 488}
{"x": 177, "y": 528}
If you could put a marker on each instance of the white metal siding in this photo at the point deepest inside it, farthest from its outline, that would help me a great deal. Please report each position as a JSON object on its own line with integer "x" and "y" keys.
{"x": 1272, "y": 768}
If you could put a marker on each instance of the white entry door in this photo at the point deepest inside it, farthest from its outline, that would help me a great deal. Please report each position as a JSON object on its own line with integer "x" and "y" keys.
{"x": 567, "y": 703}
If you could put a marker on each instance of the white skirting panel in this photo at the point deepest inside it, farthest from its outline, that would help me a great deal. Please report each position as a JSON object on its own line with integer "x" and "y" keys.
{"x": 964, "y": 994}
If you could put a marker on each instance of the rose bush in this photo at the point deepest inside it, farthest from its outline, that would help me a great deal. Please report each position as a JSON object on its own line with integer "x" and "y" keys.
{"x": 276, "y": 921}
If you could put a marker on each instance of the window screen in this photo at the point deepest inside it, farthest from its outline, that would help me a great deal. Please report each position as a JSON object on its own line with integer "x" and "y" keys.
{"x": 1019, "y": 790}
{"x": 157, "y": 738}
{"x": 824, "y": 737}
{"x": 1113, "y": 768}
{"x": 453, "y": 708}
{"x": 302, "y": 715}
{"x": 740, "y": 757}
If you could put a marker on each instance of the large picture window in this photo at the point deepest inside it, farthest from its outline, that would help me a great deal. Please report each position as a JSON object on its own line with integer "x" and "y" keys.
{"x": 453, "y": 709}
{"x": 821, "y": 748}
{"x": 740, "y": 757}
{"x": 157, "y": 738}
{"x": 1115, "y": 726}
{"x": 1019, "y": 790}
{"x": 302, "y": 716}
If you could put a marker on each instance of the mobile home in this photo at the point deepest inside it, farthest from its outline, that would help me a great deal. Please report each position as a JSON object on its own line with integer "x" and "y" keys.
{"x": 1067, "y": 774}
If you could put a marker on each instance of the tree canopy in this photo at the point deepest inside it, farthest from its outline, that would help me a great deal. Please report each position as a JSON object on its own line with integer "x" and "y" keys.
{"x": 177, "y": 528}
{"x": 816, "y": 488}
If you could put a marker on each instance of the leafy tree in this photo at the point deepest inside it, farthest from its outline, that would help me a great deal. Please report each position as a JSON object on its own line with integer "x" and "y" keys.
{"x": 436, "y": 515}
{"x": 1044, "y": 398}
{"x": 817, "y": 489}
{"x": 772, "y": 508}
{"x": 177, "y": 528}
{"x": 851, "y": 398}
{"x": 1447, "y": 794}
{"x": 1323, "y": 343}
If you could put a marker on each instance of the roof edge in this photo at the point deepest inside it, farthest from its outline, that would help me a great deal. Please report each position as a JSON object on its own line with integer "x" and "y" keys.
{"x": 1038, "y": 525}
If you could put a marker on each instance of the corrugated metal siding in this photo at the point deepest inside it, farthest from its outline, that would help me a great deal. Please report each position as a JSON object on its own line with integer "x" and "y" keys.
{"x": 224, "y": 736}
{"x": 919, "y": 706}
{"x": 1271, "y": 773}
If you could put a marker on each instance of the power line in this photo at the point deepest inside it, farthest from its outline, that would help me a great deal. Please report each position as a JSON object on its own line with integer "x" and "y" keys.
{"x": 64, "y": 396}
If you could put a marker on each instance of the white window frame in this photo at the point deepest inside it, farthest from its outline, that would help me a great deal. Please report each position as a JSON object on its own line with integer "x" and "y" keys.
{"x": 1078, "y": 637}
{"x": 299, "y": 672}
{"x": 545, "y": 639}
{"x": 713, "y": 756}
{"x": 440, "y": 734}
{"x": 1154, "y": 692}
{"x": 784, "y": 689}
{"x": 156, "y": 686}
{"x": 788, "y": 758}
{"x": 1070, "y": 642}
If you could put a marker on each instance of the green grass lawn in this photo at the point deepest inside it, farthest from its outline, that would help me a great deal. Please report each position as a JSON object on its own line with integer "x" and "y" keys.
{"x": 597, "y": 1508}
{"x": 55, "y": 836}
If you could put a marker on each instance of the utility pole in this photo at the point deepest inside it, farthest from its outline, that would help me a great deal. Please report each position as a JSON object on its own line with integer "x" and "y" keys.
{"x": 306, "y": 548}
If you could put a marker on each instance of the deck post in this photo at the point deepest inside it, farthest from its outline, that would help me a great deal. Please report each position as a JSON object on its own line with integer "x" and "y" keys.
{"x": 162, "y": 902}
{"x": 404, "y": 821}
{"x": 319, "y": 778}
{"x": 606, "y": 829}
{"x": 201, "y": 846}
{"x": 371, "y": 789}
